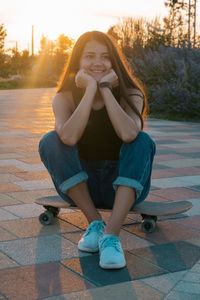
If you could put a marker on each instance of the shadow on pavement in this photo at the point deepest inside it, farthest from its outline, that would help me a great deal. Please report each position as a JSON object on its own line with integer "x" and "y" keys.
{"x": 47, "y": 275}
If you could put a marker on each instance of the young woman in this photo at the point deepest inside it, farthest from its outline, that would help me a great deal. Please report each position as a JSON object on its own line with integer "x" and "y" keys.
{"x": 98, "y": 155}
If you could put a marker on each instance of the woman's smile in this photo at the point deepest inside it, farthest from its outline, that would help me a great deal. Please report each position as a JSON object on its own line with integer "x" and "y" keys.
{"x": 95, "y": 60}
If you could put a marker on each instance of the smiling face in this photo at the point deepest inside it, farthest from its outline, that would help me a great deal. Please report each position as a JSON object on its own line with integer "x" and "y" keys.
{"x": 95, "y": 60}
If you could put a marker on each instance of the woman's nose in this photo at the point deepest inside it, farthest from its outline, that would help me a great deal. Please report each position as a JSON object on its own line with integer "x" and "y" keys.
{"x": 97, "y": 61}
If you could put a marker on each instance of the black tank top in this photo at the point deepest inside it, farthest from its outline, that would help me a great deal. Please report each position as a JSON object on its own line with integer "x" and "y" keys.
{"x": 99, "y": 140}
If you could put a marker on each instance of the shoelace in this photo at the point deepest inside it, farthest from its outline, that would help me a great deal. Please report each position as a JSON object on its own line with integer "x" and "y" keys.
{"x": 110, "y": 242}
{"x": 96, "y": 227}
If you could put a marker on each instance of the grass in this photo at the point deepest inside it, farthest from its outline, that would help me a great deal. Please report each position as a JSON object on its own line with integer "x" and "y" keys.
{"x": 175, "y": 117}
{"x": 25, "y": 84}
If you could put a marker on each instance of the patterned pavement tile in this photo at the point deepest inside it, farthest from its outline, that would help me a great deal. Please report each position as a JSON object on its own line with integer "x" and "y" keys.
{"x": 188, "y": 287}
{"x": 187, "y": 150}
{"x": 157, "y": 166}
{"x": 186, "y": 144}
{"x": 175, "y": 194}
{"x": 9, "y": 169}
{"x": 77, "y": 219}
{"x": 131, "y": 290}
{"x": 193, "y": 222}
{"x": 74, "y": 237}
{"x": 136, "y": 269}
{"x": 24, "y": 210}
{"x": 31, "y": 160}
{"x": 155, "y": 198}
{"x": 194, "y": 241}
{"x": 195, "y": 210}
{"x": 5, "y": 216}
{"x": 7, "y": 200}
{"x": 5, "y": 235}
{"x": 165, "y": 151}
{"x": 6, "y": 262}
{"x": 10, "y": 155}
{"x": 184, "y": 171}
{"x": 190, "y": 180}
{"x": 37, "y": 282}
{"x": 31, "y": 196}
{"x": 160, "y": 158}
{"x": 30, "y": 185}
{"x": 192, "y": 277}
{"x": 29, "y": 149}
{"x": 168, "y": 142}
{"x": 181, "y": 163}
{"x": 34, "y": 175}
{"x": 164, "y": 283}
{"x": 162, "y": 173}
{"x": 7, "y": 187}
{"x": 128, "y": 240}
{"x": 174, "y": 257}
{"x": 195, "y": 188}
{"x": 38, "y": 250}
{"x": 8, "y": 178}
{"x": 181, "y": 181}
{"x": 25, "y": 228}
{"x": 166, "y": 231}
{"x": 175, "y": 295}
{"x": 191, "y": 155}
{"x": 21, "y": 165}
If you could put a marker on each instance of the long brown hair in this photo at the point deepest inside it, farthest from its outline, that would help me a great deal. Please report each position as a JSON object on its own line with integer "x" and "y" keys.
{"x": 119, "y": 64}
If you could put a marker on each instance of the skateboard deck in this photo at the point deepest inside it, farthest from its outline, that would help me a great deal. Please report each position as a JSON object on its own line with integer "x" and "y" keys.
{"x": 148, "y": 210}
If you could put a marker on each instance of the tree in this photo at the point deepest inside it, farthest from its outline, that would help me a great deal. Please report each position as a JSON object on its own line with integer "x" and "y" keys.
{"x": 129, "y": 34}
{"x": 3, "y": 35}
{"x": 178, "y": 23}
{"x": 64, "y": 45}
{"x": 136, "y": 35}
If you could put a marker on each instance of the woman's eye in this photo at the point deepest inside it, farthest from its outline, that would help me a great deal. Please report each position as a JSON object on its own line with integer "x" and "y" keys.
{"x": 89, "y": 56}
{"x": 106, "y": 57}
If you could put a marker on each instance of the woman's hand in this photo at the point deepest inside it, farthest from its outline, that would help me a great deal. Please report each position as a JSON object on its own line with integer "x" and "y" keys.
{"x": 111, "y": 77}
{"x": 83, "y": 79}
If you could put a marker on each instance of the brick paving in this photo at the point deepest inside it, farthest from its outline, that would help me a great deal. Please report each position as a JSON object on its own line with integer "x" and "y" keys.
{"x": 42, "y": 262}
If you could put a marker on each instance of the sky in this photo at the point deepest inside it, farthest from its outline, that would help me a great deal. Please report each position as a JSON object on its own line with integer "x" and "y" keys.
{"x": 72, "y": 18}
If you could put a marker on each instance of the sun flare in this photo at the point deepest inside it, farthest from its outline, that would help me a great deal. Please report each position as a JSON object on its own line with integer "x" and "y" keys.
{"x": 72, "y": 18}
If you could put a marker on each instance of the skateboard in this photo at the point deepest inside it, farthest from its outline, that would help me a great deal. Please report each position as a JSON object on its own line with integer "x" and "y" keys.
{"x": 149, "y": 211}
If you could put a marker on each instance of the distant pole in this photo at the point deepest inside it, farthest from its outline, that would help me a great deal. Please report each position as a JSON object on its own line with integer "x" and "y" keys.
{"x": 189, "y": 24}
{"x": 195, "y": 14}
{"x": 32, "y": 48}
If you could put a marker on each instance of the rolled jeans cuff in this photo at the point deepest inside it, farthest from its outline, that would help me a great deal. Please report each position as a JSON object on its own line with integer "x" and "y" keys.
{"x": 129, "y": 182}
{"x": 72, "y": 181}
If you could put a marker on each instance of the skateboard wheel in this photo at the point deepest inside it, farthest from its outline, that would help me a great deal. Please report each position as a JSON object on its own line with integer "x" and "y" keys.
{"x": 46, "y": 218}
{"x": 148, "y": 225}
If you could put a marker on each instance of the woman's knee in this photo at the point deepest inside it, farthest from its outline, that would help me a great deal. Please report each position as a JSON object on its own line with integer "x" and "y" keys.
{"x": 144, "y": 140}
{"x": 48, "y": 140}
{"x": 142, "y": 143}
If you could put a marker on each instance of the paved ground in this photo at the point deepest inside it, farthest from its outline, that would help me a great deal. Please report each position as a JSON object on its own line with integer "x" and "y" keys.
{"x": 39, "y": 262}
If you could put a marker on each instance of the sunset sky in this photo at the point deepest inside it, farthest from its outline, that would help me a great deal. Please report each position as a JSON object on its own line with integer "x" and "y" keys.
{"x": 71, "y": 18}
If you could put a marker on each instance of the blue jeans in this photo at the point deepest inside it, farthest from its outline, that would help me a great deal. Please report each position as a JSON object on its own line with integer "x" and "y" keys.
{"x": 67, "y": 169}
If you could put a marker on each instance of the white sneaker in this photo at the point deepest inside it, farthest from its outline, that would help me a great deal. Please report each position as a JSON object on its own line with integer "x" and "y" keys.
{"x": 111, "y": 253}
{"x": 90, "y": 240}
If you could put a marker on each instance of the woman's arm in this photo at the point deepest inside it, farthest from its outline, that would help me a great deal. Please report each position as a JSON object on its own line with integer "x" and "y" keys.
{"x": 125, "y": 121}
{"x": 70, "y": 120}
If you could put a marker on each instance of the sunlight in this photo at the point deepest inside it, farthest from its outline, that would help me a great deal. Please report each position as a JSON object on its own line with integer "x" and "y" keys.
{"x": 72, "y": 18}
{"x": 52, "y": 18}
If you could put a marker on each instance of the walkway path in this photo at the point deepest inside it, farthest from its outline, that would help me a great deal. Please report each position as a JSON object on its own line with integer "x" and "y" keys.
{"x": 43, "y": 262}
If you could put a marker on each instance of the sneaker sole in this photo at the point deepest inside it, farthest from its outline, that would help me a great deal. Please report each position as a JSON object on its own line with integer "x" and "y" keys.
{"x": 88, "y": 250}
{"x": 112, "y": 266}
